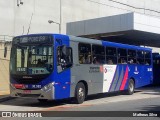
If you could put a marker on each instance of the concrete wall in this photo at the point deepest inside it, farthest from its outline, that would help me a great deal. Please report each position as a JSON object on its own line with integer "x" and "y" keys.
{"x": 15, "y": 20}
{"x": 4, "y": 68}
{"x": 7, "y": 15}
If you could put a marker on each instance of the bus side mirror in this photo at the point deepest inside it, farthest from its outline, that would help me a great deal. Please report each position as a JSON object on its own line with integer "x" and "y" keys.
{"x": 5, "y": 52}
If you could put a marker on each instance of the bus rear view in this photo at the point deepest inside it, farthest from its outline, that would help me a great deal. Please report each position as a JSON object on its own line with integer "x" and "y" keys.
{"x": 31, "y": 67}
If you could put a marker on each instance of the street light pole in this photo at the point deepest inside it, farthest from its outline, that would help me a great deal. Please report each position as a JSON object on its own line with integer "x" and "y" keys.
{"x": 60, "y": 17}
{"x": 51, "y": 21}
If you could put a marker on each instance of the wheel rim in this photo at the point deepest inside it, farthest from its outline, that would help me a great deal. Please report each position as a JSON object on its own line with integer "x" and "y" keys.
{"x": 81, "y": 93}
{"x": 131, "y": 87}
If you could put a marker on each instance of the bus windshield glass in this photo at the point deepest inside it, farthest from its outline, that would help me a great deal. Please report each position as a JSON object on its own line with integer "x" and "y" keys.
{"x": 32, "y": 55}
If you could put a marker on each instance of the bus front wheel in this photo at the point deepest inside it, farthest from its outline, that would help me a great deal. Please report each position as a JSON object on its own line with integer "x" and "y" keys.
{"x": 80, "y": 93}
{"x": 131, "y": 87}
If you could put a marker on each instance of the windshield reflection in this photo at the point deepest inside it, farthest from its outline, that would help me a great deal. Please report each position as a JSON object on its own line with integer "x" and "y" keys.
{"x": 35, "y": 59}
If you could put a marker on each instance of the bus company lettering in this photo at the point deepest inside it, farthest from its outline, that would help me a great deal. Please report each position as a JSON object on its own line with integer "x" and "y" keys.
{"x": 94, "y": 69}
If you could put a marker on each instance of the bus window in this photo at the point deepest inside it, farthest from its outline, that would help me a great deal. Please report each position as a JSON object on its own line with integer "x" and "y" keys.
{"x": 39, "y": 56}
{"x": 98, "y": 54}
{"x": 122, "y": 56}
{"x": 147, "y": 58}
{"x": 140, "y": 57}
{"x": 64, "y": 60}
{"x": 132, "y": 57}
{"x": 111, "y": 55}
{"x": 84, "y": 53}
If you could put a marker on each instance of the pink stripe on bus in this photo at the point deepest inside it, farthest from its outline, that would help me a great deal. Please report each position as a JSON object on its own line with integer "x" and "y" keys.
{"x": 124, "y": 79}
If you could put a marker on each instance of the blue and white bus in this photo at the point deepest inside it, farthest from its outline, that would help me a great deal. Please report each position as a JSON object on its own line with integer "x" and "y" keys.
{"x": 55, "y": 66}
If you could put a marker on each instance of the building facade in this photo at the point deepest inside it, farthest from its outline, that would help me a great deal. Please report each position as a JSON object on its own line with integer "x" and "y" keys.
{"x": 19, "y": 17}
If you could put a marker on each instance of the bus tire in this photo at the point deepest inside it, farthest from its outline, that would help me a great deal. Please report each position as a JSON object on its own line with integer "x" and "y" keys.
{"x": 42, "y": 100}
{"x": 80, "y": 93}
{"x": 131, "y": 87}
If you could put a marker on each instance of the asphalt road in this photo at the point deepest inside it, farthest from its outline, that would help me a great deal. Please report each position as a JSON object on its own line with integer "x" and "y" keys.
{"x": 145, "y": 99}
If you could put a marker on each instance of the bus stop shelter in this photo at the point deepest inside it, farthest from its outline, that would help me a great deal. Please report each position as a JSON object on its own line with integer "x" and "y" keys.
{"x": 129, "y": 28}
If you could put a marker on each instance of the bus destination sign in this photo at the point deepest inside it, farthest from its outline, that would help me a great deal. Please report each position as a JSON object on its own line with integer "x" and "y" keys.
{"x": 33, "y": 39}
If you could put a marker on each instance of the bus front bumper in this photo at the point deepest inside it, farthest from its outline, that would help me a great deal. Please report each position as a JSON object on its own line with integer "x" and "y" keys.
{"x": 47, "y": 92}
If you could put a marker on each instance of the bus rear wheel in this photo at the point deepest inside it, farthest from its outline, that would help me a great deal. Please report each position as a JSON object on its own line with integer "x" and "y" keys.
{"x": 131, "y": 87}
{"x": 80, "y": 93}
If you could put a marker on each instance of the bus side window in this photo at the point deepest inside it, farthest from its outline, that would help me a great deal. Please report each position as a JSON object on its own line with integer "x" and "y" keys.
{"x": 84, "y": 53}
{"x": 98, "y": 53}
{"x": 111, "y": 55}
{"x": 140, "y": 57}
{"x": 132, "y": 57}
{"x": 147, "y": 58}
{"x": 122, "y": 56}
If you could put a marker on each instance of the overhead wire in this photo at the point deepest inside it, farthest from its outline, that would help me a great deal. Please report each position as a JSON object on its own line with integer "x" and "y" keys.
{"x": 140, "y": 8}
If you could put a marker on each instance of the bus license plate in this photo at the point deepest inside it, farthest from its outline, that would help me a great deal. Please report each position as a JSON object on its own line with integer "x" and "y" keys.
{"x": 27, "y": 91}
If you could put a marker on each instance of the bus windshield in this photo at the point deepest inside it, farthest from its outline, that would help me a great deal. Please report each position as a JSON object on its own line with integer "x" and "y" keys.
{"x": 31, "y": 59}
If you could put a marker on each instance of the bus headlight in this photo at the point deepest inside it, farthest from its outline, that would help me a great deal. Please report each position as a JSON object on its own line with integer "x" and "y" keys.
{"x": 48, "y": 87}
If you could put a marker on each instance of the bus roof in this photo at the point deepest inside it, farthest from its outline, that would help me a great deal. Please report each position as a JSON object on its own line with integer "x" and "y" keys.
{"x": 94, "y": 41}
{"x": 35, "y": 34}
{"x": 107, "y": 43}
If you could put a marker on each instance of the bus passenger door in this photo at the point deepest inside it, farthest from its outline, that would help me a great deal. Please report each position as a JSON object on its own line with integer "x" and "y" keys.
{"x": 64, "y": 63}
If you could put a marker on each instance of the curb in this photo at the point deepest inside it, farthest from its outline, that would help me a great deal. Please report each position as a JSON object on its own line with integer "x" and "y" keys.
{"x": 3, "y": 99}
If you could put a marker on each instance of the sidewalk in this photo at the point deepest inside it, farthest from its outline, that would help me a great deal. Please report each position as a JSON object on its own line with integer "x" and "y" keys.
{"x": 4, "y": 95}
{"x": 4, "y": 90}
